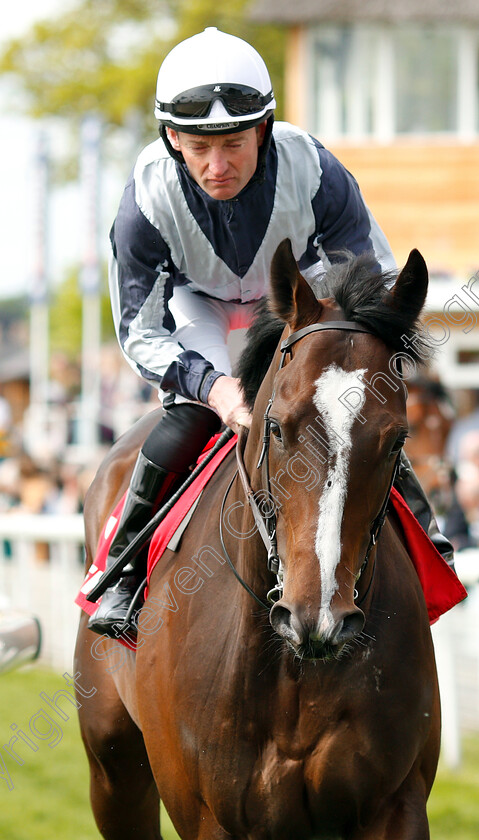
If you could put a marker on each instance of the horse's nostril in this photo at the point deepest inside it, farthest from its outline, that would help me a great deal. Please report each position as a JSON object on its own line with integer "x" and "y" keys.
{"x": 286, "y": 624}
{"x": 280, "y": 617}
{"x": 349, "y": 627}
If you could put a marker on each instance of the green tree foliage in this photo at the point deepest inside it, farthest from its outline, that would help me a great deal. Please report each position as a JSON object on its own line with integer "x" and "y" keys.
{"x": 103, "y": 55}
{"x": 65, "y": 313}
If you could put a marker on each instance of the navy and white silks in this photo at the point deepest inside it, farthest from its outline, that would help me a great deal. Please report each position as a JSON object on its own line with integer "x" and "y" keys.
{"x": 186, "y": 268}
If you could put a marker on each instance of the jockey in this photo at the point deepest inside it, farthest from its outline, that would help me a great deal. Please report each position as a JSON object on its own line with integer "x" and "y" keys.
{"x": 200, "y": 219}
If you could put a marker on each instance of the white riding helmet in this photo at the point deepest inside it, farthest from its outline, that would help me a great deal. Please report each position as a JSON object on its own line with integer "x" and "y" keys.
{"x": 213, "y": 82}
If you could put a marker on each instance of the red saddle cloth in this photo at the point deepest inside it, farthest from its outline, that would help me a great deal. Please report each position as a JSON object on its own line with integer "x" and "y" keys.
{"x": 163, "y": 533}
{"x": 442, "y": 589}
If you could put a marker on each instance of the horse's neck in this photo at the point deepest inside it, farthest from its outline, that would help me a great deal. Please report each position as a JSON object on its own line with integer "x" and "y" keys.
{"x": 250, "y": 552}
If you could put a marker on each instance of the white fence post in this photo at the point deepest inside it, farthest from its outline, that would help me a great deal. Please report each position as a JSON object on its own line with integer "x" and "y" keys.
{"x": 45, "y": 588}
{"x": 442, "y": 633}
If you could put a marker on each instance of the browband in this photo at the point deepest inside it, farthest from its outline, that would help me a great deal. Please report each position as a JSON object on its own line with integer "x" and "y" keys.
{"x": 328, "y": 325}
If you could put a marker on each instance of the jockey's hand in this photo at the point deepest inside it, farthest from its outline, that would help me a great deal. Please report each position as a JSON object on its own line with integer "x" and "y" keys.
{"x": 227, "y": 399}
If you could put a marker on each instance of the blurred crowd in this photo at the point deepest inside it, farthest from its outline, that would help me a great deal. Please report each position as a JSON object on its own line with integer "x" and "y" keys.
{"x": 44, "y": 468}
{"x": 27, "y": 486}
{"x": 466, "y": 486}
{"x": 455, "y": 484}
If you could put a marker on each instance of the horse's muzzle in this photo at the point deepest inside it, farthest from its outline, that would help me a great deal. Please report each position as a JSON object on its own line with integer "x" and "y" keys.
{"x": 310, "y": 642}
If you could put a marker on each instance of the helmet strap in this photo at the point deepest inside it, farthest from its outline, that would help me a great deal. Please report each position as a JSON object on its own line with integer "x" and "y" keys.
{"x": 166, "y": 140}
{"x": 260, "y": 173}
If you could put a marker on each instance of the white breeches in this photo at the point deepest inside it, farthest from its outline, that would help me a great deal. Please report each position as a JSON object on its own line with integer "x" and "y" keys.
{"x": 204, "y": 323}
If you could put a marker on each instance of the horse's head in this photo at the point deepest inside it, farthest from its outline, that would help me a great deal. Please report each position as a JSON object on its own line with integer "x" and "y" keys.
{"x": 336, "y": 421}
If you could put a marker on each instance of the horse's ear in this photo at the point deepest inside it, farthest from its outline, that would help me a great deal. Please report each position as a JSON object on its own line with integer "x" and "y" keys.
{"x": 291, "y": 297}
{"x": 410, "y": 290}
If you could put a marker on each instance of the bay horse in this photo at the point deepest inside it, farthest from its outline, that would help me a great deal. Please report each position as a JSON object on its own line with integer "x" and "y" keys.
{"x": 430, "y": 418}
{"x": 316, "y": 717}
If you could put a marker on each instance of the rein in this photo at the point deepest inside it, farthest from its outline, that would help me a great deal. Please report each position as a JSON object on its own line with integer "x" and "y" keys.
{"x": 266, "y": 521}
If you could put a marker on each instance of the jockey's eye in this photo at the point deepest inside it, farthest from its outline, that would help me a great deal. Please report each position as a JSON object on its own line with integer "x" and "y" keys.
{"x": 399, "y": 443}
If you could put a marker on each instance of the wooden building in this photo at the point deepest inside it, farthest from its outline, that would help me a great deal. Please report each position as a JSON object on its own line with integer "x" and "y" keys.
{"x": 393, "y": 90}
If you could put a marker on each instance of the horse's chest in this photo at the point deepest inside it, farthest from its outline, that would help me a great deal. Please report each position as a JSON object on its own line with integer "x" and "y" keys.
{"x": 309, "y": 767}
{"x": 306, "y": 791}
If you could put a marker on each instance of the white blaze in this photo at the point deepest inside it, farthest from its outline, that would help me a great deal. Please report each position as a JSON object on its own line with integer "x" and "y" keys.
{"x": 337, "y": 420}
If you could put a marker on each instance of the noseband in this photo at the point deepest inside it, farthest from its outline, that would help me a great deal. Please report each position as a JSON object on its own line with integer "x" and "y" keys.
{"x": 266, "y": 520}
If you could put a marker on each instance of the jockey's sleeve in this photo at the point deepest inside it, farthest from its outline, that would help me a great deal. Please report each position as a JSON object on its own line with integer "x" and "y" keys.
{"x": 140, "y": 287}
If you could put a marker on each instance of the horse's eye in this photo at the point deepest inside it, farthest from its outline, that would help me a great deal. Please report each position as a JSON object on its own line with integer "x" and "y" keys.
{"x": 399, "y": 443}
{"x": 275, "y": 429}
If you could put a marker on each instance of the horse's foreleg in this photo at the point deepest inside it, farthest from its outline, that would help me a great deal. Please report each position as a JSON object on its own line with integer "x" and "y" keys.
{"x": 208, "y": 828}
{"x": 127, "y": 805}
{"x": 402, "y": 817}
{"x": 400, "y": 826}
{"x": 123, "y": 793}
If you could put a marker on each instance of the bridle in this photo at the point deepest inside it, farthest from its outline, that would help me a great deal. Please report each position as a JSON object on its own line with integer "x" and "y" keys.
{"x": 265, "y": 519}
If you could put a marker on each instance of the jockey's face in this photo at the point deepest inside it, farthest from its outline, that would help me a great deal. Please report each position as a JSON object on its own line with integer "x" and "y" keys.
{"x": 221, "y": 165}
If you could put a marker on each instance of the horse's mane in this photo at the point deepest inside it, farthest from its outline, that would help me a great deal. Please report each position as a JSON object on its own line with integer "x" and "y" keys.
{"x": 261, "y": 342}
{"x": 364, "y": 295}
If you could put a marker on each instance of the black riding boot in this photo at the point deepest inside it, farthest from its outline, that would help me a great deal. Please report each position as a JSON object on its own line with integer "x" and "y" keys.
{"x": 407, "y": 484}
{"x": 148, "y": 483}
{"x": 174, "y": 443}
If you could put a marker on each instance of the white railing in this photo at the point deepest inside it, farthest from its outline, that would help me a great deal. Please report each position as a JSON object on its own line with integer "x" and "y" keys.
{"x": 456, "y": 644}
{"x": 41, "y": 571}
{"x": 47, "y": 589}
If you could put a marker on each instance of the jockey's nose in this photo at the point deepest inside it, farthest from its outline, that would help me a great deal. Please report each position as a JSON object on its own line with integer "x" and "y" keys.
{"x": 217, "y": 162}
{"x": 304, "y": 634}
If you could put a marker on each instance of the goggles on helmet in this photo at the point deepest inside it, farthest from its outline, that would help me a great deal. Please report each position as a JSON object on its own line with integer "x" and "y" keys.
{"x": 196, "y": 103}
